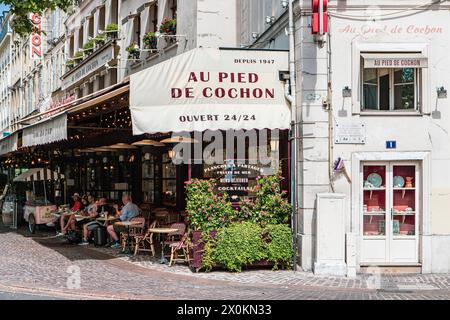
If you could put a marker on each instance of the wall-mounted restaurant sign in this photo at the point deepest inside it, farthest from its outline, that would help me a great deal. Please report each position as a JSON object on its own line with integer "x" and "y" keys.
{"x": 211, "y": 89}
{"x": 394, "y": 60}
{"x": 233, "y": 178}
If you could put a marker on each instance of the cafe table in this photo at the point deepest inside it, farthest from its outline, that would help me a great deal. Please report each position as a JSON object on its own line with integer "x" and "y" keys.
{"x": 163, "y": 232}
{"x": 107, "y": 220}
{"x": 128, "y": 225}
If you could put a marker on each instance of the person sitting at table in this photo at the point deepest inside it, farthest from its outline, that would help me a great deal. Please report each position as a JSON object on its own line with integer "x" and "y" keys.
{"x": 128, "y": 212}
{"x": 101, "y": 207}
{"x": 77, "y": 207}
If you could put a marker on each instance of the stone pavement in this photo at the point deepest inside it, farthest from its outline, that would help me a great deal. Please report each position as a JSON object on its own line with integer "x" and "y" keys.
{"x": 47, "y": 266}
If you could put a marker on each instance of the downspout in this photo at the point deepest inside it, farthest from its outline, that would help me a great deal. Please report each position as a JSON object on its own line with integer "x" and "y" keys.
{"x": 294, "y": 130}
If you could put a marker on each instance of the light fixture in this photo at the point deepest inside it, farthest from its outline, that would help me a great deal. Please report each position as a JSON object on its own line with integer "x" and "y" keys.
{"x": 346, "y": 92}
{"x": 284, "y": 3}
{"x": 171, "y": 153}
{"x": 179, "y": 139}
{"x": 105, "y": 160}
{"x": 270, "y": 19}
{"x": 121, "y": 158}
{"x": 147, "y": 156}
{"x": 441, "y": 93}
{"x": 148, "y": 142}
{"x": 255, "y": 35}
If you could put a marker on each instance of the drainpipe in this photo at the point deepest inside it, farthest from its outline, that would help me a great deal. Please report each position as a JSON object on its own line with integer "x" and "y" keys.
{"x": 294, "y": 130}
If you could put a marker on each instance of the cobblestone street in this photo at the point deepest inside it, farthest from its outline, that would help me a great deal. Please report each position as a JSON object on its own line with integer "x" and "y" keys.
{"x": 43, "y": 265}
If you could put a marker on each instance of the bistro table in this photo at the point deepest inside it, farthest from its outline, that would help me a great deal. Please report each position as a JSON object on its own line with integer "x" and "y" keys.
{"x": 108, "y": 219}
{"x": 163, "y": 232}
{"x": 128, "y": 225}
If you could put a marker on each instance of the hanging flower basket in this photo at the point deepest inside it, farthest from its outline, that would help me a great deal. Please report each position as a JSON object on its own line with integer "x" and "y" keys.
{"x": 150, "y": 40}
{"x": 112, "y": 30}
{"x": 133, "y": 51}
{"x": 168, "y": 26}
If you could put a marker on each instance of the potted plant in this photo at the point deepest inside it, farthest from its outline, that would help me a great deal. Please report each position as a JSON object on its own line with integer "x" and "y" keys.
{"x": 168, "y": 26}
{"x": 100, "y": 40}
{"x": 133, "y": 51}
{"x": 150, "y": 40}
{"x": 70, "y": 63}
{"x": 78, "y": 57}
{"x": 112, "y": 30}
{"x": 89, "y": 46}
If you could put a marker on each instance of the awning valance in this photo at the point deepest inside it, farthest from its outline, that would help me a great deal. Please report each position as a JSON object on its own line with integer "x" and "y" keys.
{"x": 38, "y": 174}
{"x": 45, "y": 131}
{"x": 8, "y": 144}
{"x": 213, "y": 89}
{"x": 394, "y": 60}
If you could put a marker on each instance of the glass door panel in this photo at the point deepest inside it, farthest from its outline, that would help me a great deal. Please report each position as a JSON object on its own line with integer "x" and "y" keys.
{"x": 404, "y": 200}
{"x": 374, "y": 200}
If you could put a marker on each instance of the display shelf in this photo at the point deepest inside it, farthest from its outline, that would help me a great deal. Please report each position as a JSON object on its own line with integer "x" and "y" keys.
{"x": 404, "y": 214}
{"x": 374, "y": 189}
{"x": 370, "y": 214}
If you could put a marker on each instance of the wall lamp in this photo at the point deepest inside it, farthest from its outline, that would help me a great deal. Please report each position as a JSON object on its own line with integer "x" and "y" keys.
{"x": 346, "y": 92}
{"x": 284, "y": 3}
{"x": 441, "y": 93}
{"x": 255, "y": 35}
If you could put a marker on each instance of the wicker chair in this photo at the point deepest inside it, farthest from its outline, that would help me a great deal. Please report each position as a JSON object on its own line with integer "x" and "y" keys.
{"x": 135, "y": 231}
{"x": 177, "y": 235}
{"x": 141, "y": 241}
{"x": 179, "y": 251}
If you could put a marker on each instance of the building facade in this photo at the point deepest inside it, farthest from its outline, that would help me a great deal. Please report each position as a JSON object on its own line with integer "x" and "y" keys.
{"x": 5, "y": 73}
{"x": 371, "y": 103}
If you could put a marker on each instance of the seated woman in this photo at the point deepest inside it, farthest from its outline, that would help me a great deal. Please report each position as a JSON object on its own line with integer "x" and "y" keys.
{"x": 71, "y": 223}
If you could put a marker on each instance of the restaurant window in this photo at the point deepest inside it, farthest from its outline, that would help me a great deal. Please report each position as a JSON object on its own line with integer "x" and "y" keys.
{"x": 391, "y": 82}
{"x": 169, "y": 181}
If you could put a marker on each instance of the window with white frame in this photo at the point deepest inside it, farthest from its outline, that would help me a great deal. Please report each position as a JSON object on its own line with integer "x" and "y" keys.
{"x": 391, "y": 82}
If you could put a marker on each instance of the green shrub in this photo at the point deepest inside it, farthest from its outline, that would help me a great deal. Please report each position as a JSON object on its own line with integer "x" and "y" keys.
{"x": 206, "y": 210}
{"x": 270, "y": 205}
{"x": 244, "y": 243}
{"x": 278, "y": 244}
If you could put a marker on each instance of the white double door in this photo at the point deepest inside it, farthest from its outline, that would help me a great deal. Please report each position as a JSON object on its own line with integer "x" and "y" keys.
{"x": 390, "y": 213}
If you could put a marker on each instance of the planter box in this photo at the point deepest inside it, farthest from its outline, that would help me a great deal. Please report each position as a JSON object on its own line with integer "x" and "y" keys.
{"x": 196, "y": 253}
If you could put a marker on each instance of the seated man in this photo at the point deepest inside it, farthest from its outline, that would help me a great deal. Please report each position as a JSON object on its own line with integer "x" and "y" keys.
{"x": 101, "y": 206}
{"x": 128, "y": 212}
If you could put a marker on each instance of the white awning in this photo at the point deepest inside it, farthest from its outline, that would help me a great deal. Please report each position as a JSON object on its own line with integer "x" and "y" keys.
{"x": 45, "y": 131}
{"x": 8, "y": 144}
{"x": 211, "y": 89}
{"x": 38, "y": 174}
{"x": 394, "y": 60}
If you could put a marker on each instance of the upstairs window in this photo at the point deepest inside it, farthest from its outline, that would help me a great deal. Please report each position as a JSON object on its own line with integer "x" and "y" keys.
{"x": 391, "y": 82}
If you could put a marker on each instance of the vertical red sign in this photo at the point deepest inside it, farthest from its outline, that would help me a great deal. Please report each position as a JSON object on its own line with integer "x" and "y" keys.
{"x": 36, "y": 37}
{"x": 315, "y": 19}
